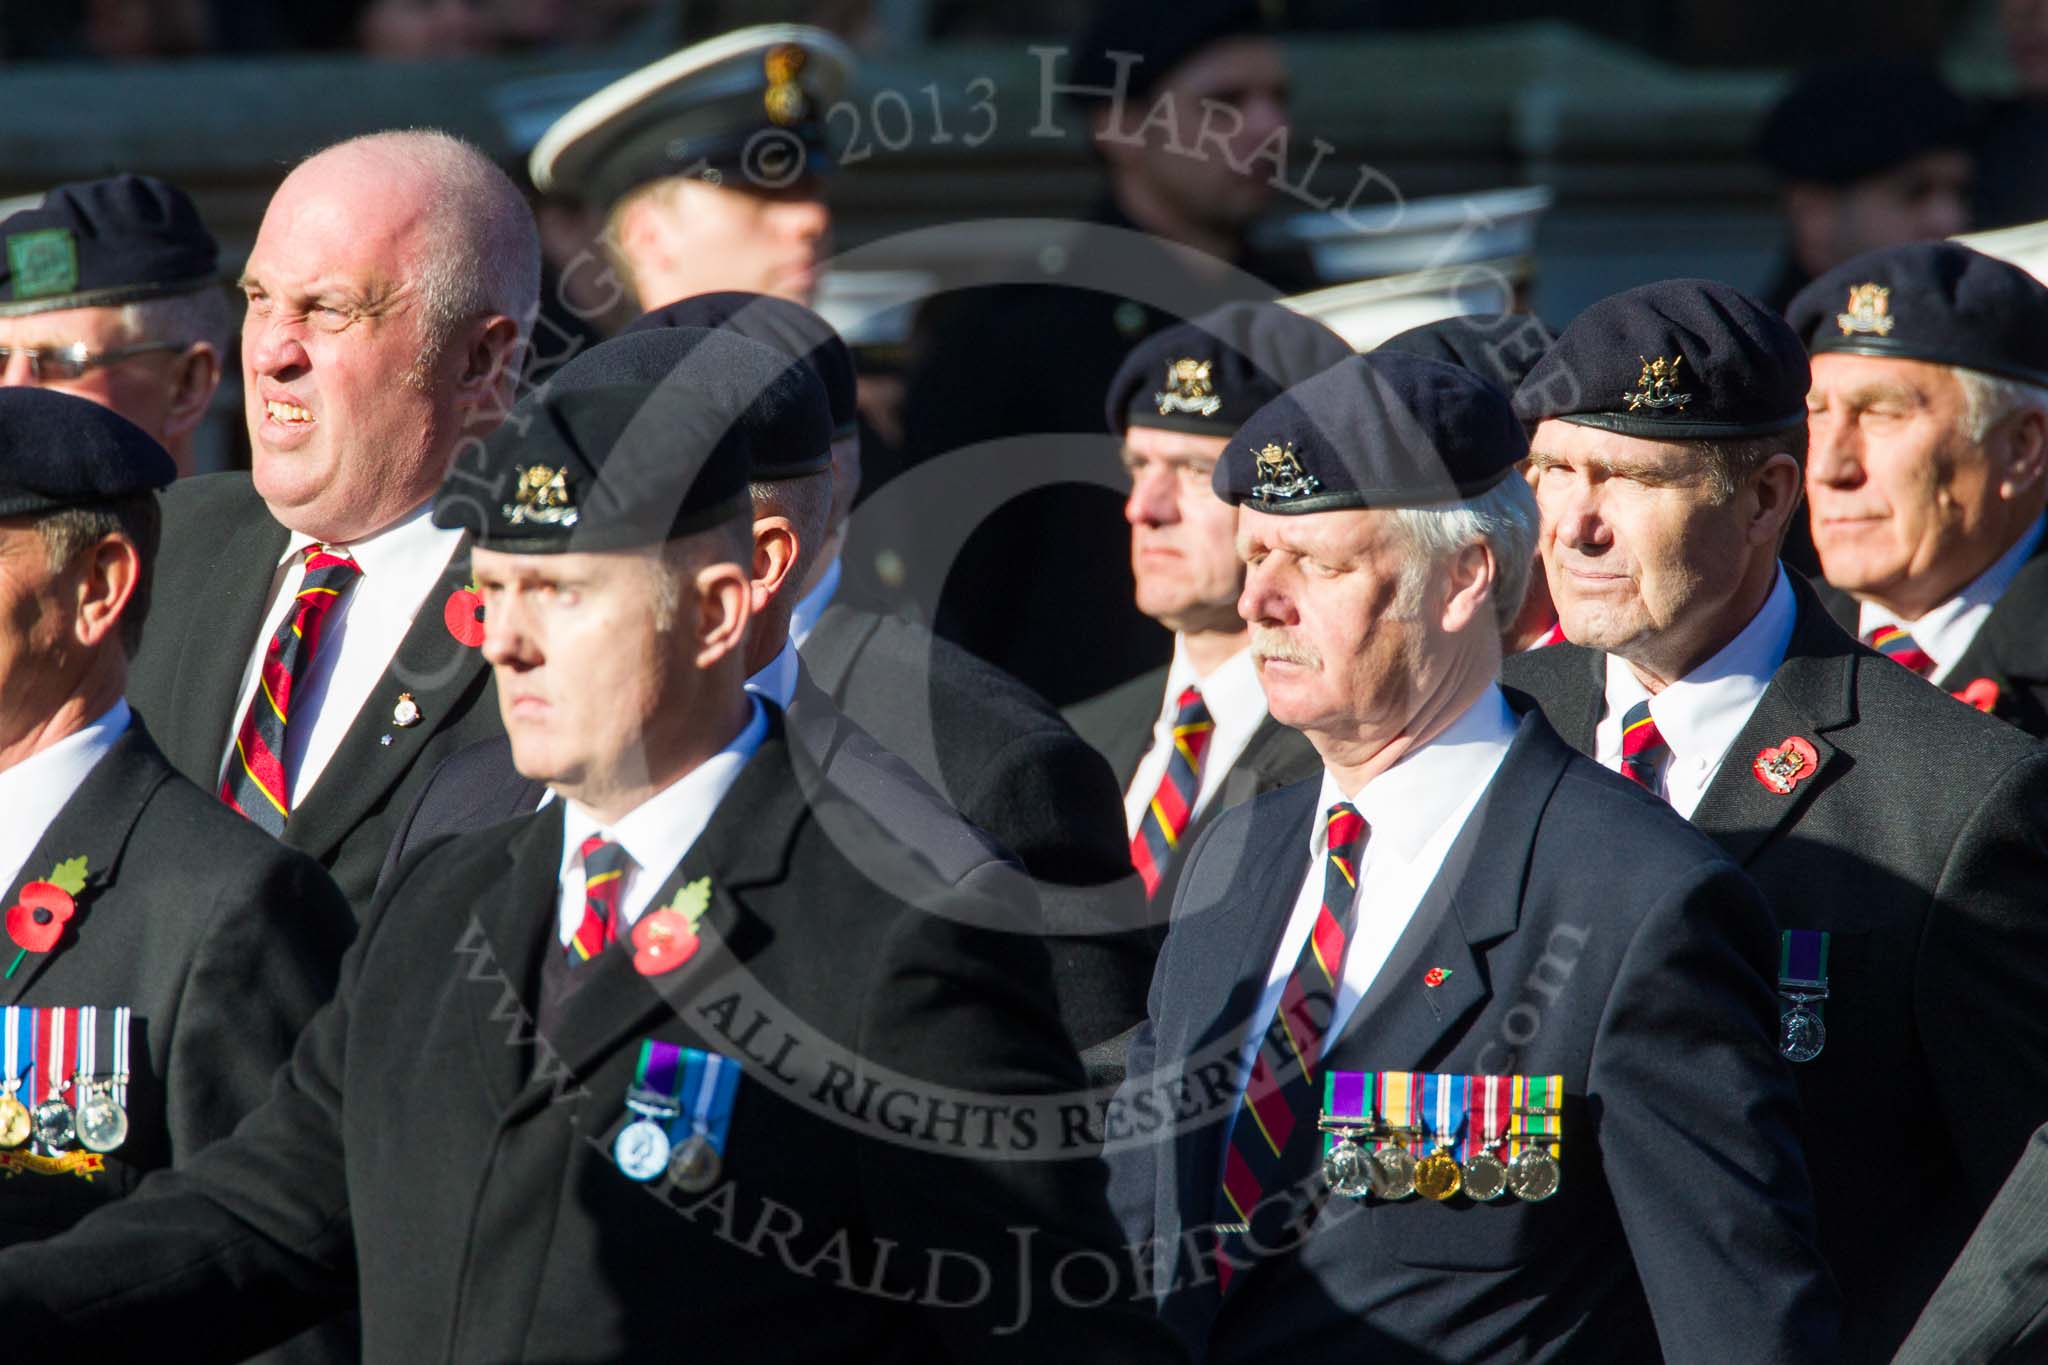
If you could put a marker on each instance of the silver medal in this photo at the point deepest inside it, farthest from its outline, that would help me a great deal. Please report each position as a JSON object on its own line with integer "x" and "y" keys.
{"x": 1392, "y": 1173}
{"x": 102, "y": 1124}
{"x": 1485, "y": 1177}
{"x": 1347, "y": 1169}
{"x": 55, "y": 1127}
{"x": 641, "y": 1150}
{"x": 695, "y": 1166}
{"x": 1534, "y": 1175}
{"x": 1801, "y": 1034}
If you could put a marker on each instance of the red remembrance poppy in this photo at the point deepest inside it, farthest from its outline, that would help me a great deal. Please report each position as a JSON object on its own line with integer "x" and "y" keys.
{"x": 464, "y": 615}
{"x": 37, "y": 922}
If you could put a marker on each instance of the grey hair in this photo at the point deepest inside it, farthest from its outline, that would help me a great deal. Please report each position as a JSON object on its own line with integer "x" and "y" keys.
{"x": 807, "y": 502}
{"x": 482, "y": 254}
{"x": 1503, "y": 518}
{"x": 203, "y": 315}
{"x": 1989, "y": 400}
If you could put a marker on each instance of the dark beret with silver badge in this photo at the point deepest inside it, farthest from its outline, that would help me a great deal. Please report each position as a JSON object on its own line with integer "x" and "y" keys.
{"x": 1502, "y": 347}
{"x": 1384, "y": 429}
{"x": 611, "y": 461}
{"x": 101, "y": 243}
{"x": 789, "y": 327}
{"x": 1846, "y": 121}
{"x": 1207, "y": 375}
{"x": 1678, "y": 360}
{"x": 1933, "y": 301}
{"x": 58, "y": 451}
{"x": 746, "y": 108}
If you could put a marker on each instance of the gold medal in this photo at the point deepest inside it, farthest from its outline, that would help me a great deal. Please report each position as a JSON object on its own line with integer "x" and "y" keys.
{"x": 14, "y": 1122}
{"x": 1437, "y": 1175}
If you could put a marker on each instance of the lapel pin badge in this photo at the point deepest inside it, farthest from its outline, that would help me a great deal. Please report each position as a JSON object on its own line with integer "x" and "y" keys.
{"x": 36, "y": 920}
{"x": 1982, "y": 693}
{"x": 406, "y": 713}
{"x": 463, "y": 614}
{"x": 1786, "y": 764}
{"x": 1436, "y": 976}
{"x": 665, "y": 939}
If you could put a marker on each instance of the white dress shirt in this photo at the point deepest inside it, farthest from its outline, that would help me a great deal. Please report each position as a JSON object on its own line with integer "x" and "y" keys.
{"x": 655, "y": 834}
{"x": 360, "y": 637}
{"x": 1944, "y": 632}
{"x": 1414, "y": 812}
{"x": 1237, "y": 707}
{"x": 813, "y": 603}
{"x": 33, "y": 791}
{"x": 1700, "y": 715}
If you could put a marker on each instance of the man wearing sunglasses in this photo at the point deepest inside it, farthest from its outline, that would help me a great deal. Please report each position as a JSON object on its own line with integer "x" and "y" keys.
{"x": 110, "y": 290}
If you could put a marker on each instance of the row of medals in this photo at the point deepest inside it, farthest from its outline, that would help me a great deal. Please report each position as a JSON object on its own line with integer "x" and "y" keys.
{"x": 643, "y": 1150}
{"x": 1392, "y": 1172}
{"x": 99, "y": 1124}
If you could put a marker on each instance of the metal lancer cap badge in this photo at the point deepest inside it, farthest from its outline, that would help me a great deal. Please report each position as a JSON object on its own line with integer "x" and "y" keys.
{"x": 1657, "y": 386}
{"x": 1281, "y": 476}
{"x": 1189, "y": 388}
{"x": 541, "y": 497}
{"x": 1870, "y": 311}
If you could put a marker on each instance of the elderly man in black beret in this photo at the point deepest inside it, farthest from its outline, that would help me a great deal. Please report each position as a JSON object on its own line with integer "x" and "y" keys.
{"x": 1928, "y": 471}
{"x": 161, "y": 956}
{"x": 1459, "y": 1049}
{"x": 1193, "y": 738}
{"x": 585, "y": 1068}
{"x": 1901, "y": 838}
{"x": 111, "y": 290}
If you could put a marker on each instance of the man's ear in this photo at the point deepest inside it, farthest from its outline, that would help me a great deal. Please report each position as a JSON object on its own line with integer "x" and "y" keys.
{"x": 194, "y": 377}
{"x": 109, "y": 571}
{"x": 775, "y": 551}
{"x": 490, "y": 368}
{"x": 1777, "y": 488}
{"x": 725, "y": 604}
{"x": 2022, "y": 452}
{"x": 1471, "y": 584}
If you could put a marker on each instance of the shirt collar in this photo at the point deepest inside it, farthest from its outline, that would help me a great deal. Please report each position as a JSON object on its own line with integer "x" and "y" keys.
{"x": 1945, "y": 631}
{"x": 1410, "y": 801}
{"x": 1703, "y": 712}
{"x": 1232, "y": 687}
{"x": 392, "y": 552}
{"x": 659, "y": 831}
{"x": 777, "y": 682}
{"x": 34, "y": 791}
{"x": 804, "y": 619}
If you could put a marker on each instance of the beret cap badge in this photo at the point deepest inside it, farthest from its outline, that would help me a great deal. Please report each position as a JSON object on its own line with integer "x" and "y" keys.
{"x": 784, "y": 99}
{"x": 541, "y": 496}
{"x": 1189, "y": 388}
{"x": 1281, "y": 476}
{"x": 1657, "y": 385}
{"x": 1870, "y": 311}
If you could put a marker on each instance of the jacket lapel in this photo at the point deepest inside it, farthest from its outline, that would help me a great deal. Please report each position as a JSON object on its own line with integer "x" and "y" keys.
{"x": 440, "y": 674}
{"x": 95, "y": 824}
{"x": 2011, "y": 644}
{"x": 515, "y": 918}
{"x": 1812, "y": 692}
{"x": 834, "y": 643}
{"x": 214, "y": 653}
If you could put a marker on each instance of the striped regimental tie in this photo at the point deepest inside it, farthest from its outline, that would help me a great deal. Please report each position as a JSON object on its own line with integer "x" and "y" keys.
{"x": 257, "y": 782}
{"x": 1643, "y": 750}
{"x": 1901, "y": 648}
{"x": 1173, "y": 804}
{"x": 604, "y": 874}
{"x": 1274, "y": 1132}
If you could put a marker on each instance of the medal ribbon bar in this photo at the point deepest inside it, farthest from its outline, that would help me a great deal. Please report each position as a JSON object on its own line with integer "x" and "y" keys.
{"x": 711, "y": 1082}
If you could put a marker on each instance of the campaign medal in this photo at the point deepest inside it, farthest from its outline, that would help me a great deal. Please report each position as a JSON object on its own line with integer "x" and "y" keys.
{"x": 20, "y": 1033}
{"x": 102, "y": 1122}
{"x": 1802, "y": 989}
{"x": 1437, "y": 1175}
{"x": 1486, "y": 1175}
{"x": 1393, "y": 1165}
{"x": 710, "y": 1084}
{"x": 1347, "y": 1167}
{"x": 56, "y": 1127}
{"x": 642, "y": 1146}
{"x": 1533, "y": 1172}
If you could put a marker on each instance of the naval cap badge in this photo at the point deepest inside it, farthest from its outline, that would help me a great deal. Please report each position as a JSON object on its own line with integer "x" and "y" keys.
{"x": 541, "y": 496}
{"x": 1189, "y": 388}
{"x": 1281, "y": 476}
{"x": 784, "y": 99}
{"x": 1870, "y": 311}
{"x": 1657, "y": 385}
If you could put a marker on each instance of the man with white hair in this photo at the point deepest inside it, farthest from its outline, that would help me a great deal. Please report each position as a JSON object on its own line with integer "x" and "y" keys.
{"x": 1461, "y": 965}
{"x": 1898, "y": 835}
{"x": 313, "y": 652}
{"x": 1927, "y": 471}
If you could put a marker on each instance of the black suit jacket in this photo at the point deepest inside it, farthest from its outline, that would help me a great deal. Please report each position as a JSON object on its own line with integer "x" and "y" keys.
{"x": 1007, "y": 762}
{"x": 1119, "y": 725}
{"x": 1918, "y": 844}
{"x": 426, "y": 1151}
{"x": 1584, "y": 932}
{"x": 2010, "y": 649}
{"x": 213, "y": 574}
{"x": 1993, "y": 1304}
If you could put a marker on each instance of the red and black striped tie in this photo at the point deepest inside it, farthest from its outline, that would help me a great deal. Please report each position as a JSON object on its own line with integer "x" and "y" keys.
{"x": 1274, "y": 1130}
{"x": 1643, "y": 750}
{"x": 1173, "y": 805}
{"x": 257, "y": 782}
{"x": 604, "y": 875}
{"x": 1896, "y": 644}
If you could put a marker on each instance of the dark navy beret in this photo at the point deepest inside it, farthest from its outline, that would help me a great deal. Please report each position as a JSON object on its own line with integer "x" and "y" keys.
{"x": 1380, "y": 430}
{"x": 788, "y": 439}
{"x": 59, "y": 451}
{"x": 1502, "y": 347}
{"x": 100, "y": 243}
{"x": 1843, "y": 122}
{"x": 1207, "y": 375}
{"x": 610, "y": 460}
{"x": 1678, "y": 360}
{"x": 789, "y": 327}
{"x": 1935, "y": 301}
{"x": 1163, "y": 34}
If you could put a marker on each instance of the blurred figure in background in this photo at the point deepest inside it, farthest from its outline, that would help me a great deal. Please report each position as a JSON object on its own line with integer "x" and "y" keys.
{"x": 110, "y": 290}
{"x": 2010, "y": 187}
{"x": 1870, "y": 154}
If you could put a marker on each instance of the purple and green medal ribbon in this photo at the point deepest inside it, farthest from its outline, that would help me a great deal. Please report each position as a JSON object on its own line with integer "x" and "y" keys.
{"x": 1346, "y": 1099}
{"x": 655, "y": 1078}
